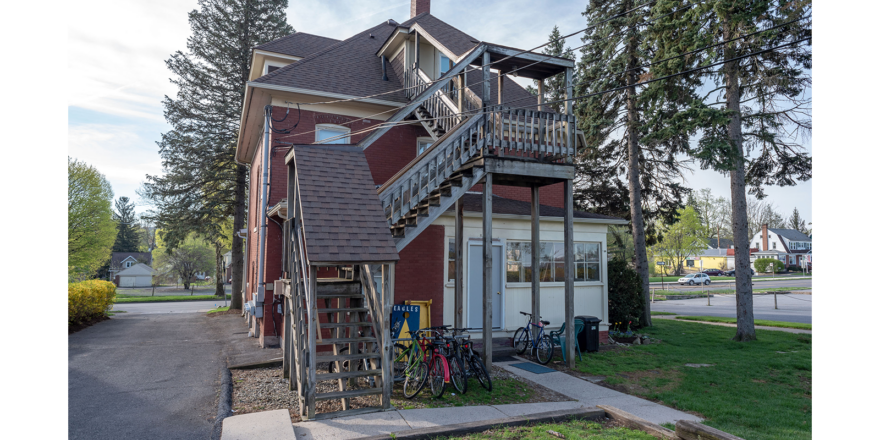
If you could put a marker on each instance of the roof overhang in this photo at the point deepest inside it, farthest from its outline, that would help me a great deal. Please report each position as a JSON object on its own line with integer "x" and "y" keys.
{"x": 397, "y": 37}
{"x": 280, "y": 209}
{"x": 540, "y": 66}
{"x": 259, "y": 58}
{"x": 543, "y": 218}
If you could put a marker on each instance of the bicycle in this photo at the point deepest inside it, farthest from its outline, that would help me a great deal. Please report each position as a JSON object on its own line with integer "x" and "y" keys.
{"x": 451, "y": 350}
{"x": 542, "y": 346}
{"x": 471, "y": 362}
{"x": 414, "y": 371}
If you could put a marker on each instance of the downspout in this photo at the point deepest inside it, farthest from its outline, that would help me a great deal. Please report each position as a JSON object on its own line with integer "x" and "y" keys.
{"x": 261, "y": 288}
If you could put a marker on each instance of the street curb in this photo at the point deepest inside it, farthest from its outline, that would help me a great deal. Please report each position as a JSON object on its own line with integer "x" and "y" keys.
{"x": 224, "y": 406}
{"x": 170, "y": 301}
{"x": 472, "y": 427}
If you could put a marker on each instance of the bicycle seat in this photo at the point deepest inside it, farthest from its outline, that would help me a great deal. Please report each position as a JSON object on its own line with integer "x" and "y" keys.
{"x": 545, "y": 322}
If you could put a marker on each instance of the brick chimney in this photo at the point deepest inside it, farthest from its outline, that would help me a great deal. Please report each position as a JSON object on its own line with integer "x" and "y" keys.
{"x": 416, "y": 7}
{"x": 764, "y": 243}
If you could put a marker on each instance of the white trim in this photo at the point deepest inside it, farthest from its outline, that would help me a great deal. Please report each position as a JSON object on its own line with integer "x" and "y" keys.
{"x": 277, "y": 55}
{"x": 433, "y": 41}
{"x": 421, "y": 139}
{"x": 390, "y": 40}
{"x": 258, "y": 85}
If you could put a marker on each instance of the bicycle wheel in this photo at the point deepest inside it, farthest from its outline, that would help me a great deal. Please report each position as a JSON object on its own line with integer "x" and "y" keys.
{"x": 400, "y": 356}
{"x": 344, "y": 350}
{"x": 457, "y": 374}
{"x": 521, "y": 340}
{"x": 479, "y": 371}
{"x": 544, "y": 350}
{"x": 436, "y": 376}
{"x": 416, "y": 377}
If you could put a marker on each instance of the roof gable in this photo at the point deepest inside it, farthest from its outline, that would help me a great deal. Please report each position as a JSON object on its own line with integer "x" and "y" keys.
{"x": 790, "y": 234}
{"x": 139, "y": 269}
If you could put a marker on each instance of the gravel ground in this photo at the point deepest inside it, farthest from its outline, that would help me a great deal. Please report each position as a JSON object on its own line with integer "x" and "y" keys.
{"x": 263, "y": 389}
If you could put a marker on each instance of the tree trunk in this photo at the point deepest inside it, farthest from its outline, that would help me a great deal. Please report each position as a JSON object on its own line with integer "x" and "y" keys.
{"x": 219, "y": 290}
{"x": 635, "y": 188}
{"x": 745, "y": 317}
{"x": 237, "y": 245}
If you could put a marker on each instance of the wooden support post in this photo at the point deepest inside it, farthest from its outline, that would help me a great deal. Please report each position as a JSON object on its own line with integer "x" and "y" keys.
{"x": 312, "y": 349}
{"x": 285, "y": 346}
{"x": 536, "y": 255}
{"x": 486, "y": 92}
{"x": 461, "y": 87}
{"x": 569, "y": 110}
{"x": 500, "y": 88}
{"x": 387, "y": 301}
{"x": 416, "y": 56}
{"x": 541, "y": 95}
{"x": 568, "y": 236}
{"x": 487, "y": 268}
{"x": 459, "y": 264}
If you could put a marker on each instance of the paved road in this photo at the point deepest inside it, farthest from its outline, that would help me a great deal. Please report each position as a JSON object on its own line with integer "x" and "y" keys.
{"x": 147, "y": 375}
{"x": 792, "y": 307}
{"x": 721, "y": 285}
{"x": 168, "y": 307}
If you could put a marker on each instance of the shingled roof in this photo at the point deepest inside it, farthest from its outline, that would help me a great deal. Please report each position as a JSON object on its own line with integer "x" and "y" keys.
{"x": 342, "y": 217}
{"x": 299, "y": 44}
{"x": 351, "y": 67}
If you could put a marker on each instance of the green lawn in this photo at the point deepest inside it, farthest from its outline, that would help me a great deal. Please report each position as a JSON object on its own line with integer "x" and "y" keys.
{"x": 661, "y": 313}
{"x": 219, "y": 309}
{"x": 573, "y": 429}
{"x": 764, "y": 322}
{"x": 729, "y": 291}
{"x": 142, "y": 299}
{"x": 672, "y": 279}
{"x": 756, "y": 390}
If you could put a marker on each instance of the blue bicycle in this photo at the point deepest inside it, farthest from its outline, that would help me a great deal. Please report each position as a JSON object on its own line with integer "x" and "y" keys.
{"x": 542, "y": 346}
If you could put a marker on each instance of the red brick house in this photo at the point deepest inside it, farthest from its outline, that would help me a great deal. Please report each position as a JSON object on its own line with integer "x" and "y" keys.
{"x": 421, "y": 133}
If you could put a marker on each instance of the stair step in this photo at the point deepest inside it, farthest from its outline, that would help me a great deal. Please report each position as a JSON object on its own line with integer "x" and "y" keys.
{"x": 348, "y": 374}
{"x": 348, "y": 412}
{"x": 328, "y": 341}
{"x": 339, "y": 295}
{"x": 346, "y": 324}
{"x": 347, "y": 393}
{"x": 345, "y": 357}
{"x": 348, "y": 309}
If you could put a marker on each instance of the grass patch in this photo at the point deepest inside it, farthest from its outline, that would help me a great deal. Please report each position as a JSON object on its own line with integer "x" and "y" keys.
{"x": 572, "y": 429}
{"x": 673, "y": 279}
{"x": 113, "y": 312}
{"x": 219, "y": 309}
{"x": 798, "y": 325}
{"x": 662, "y": 313}
{"x": 503, "y": 391}
{"x": 755, "y": 390}
{"x": 144, "y": 299}
{"x": 729, "y": 291}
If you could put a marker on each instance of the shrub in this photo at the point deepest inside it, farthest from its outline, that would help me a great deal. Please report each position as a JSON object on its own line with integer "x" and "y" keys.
{"x": 625, "y": 299}
{"x": 89, "y": 299}
{"x": 763, "y": 265}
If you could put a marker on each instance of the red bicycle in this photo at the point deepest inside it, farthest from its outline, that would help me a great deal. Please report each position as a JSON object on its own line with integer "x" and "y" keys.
{"x": 438, "y": 365}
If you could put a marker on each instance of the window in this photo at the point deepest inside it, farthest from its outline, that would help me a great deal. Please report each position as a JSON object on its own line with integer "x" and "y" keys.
{"x": 329, "y": 131}
{"x": 128, "y": 264}
{"x": 774, "y": 245}
{"x": 445, "y": 65}
{"x": 271, "y": 66}
{"x": 450, "y": 260}
{"x": 423, "y": 144}
{"x": 551, "y": 262}
{"x": 690, "y": 263}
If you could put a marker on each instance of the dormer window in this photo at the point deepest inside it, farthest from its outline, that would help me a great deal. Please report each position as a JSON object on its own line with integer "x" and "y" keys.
{"x": 271, "y": 66}
{"x": 128, "y": 264}
{"x": 333, "y": 132}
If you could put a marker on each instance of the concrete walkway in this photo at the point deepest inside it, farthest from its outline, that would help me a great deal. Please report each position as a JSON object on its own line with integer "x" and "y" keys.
{"x": 724, "y": 324}
{"x": 583, "y": 394}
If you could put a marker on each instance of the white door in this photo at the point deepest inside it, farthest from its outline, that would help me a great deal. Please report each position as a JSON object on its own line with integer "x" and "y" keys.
{"x": 475, "y": 286}
{"x": 126, "y": 281}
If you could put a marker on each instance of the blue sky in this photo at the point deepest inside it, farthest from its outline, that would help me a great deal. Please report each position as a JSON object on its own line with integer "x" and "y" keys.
{"x": 118, "y": 48}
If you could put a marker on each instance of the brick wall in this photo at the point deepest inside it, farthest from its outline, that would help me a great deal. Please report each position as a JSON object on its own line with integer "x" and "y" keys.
{"x": 419, "y": 273}
{"x": 550, "y": 195}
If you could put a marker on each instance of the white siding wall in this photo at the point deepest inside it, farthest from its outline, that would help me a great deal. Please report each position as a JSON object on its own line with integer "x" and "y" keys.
{"x": 591, "y": 298}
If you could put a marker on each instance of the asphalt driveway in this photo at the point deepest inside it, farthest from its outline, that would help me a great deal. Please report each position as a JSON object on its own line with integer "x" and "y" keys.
{"x": 147, "y": 376}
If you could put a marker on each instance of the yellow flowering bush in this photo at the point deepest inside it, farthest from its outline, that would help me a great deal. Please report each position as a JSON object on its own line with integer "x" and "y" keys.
{"x": 89, "y": 299}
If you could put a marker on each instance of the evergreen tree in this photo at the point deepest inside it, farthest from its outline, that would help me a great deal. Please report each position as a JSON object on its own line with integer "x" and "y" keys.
{"x": 752, "y": 110}
{"x": 127, "y": 238}
{"x": 628, "y": 147}
{"x": 797, "y": 223}
{"x": 554, "y": 87}
{"x": 202, "y": 185}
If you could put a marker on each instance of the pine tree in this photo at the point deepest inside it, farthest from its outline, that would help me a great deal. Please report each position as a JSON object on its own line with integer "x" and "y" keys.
{"x": 627, "y": 146}
{"x": 202, "y": 185}
{"x": 127, "y": 239}
{"x": 554, "y": 87}
{"x": 796, "y": 222}
{"x": 752, "y": 109}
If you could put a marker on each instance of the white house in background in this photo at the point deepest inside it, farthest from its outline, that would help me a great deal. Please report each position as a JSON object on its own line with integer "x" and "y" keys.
{"x": 139, "y": 275}
{"x": 789, "y": 246}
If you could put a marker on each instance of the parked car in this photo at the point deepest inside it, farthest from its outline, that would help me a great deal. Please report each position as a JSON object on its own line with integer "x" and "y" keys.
{"x": 732, "y": 273}
{"x": 713, "y": 272}
{"x": 694, "y": 278}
